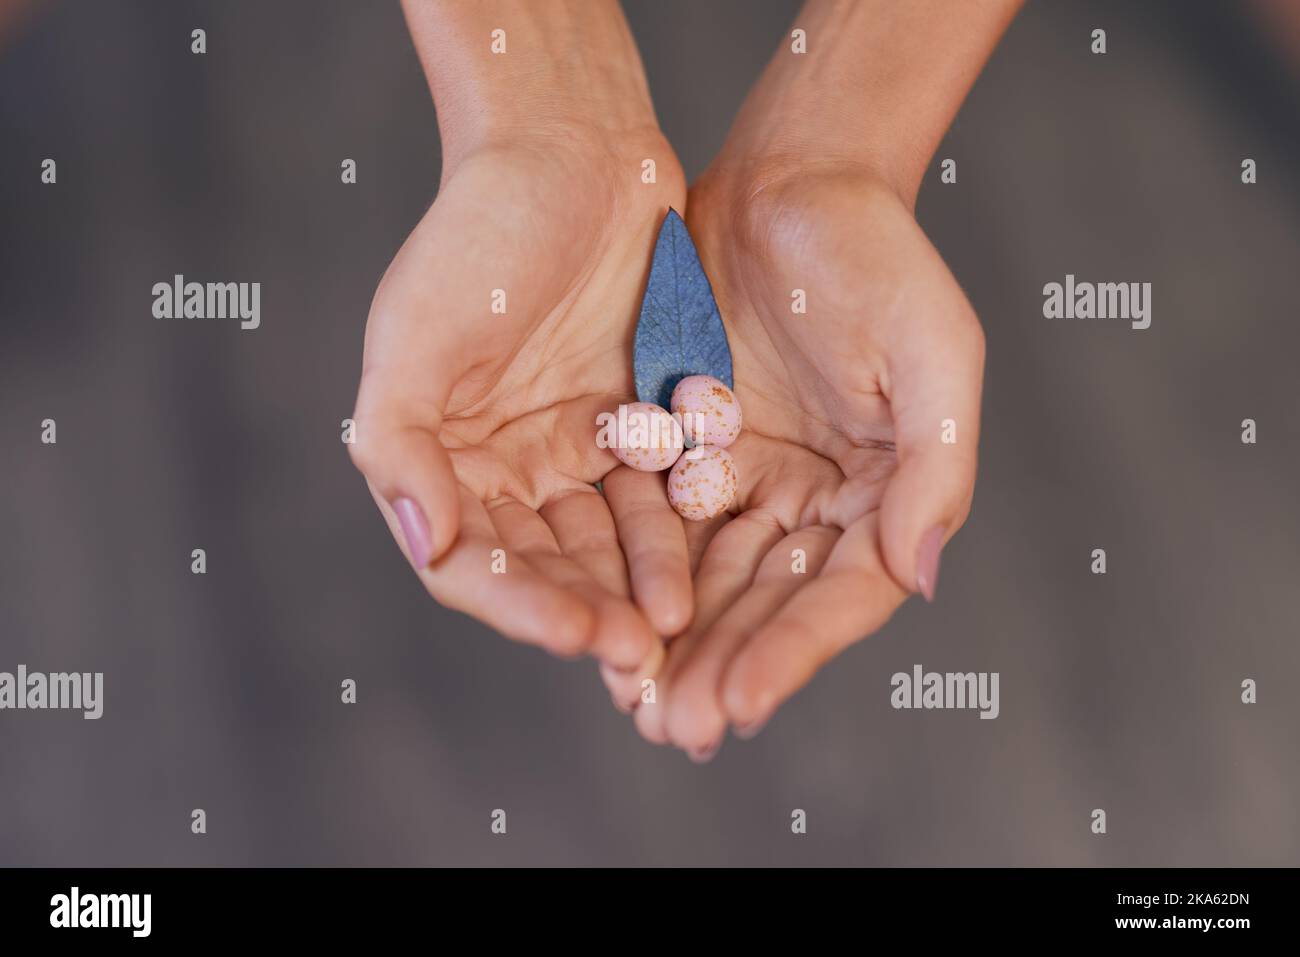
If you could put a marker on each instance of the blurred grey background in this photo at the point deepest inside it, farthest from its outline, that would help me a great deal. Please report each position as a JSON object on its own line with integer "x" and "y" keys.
{"x": 1119, "y": 692}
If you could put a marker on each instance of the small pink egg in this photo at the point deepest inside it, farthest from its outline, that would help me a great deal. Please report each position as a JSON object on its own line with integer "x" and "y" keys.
{"x": 648, "y": 438}
{"x": 708, "y": 410}
{"x": 702, "y": 483}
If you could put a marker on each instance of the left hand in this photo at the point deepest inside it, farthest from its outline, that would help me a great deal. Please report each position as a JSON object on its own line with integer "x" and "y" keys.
{"x": 858, "y": 450}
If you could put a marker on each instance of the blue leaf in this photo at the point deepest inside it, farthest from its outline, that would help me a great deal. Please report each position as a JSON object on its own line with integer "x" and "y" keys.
{"x": 680, "y": 331}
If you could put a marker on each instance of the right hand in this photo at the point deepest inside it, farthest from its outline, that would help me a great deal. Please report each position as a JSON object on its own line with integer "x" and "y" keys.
{"x": 476, "y": 430}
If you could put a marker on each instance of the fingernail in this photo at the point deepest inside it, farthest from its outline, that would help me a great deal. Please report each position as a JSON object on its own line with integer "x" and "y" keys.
{"x": 415, "y": 528}
{"x": 747, "y": 731}
{"x": 705, "y": 755}
{"x": 927, "y": 562}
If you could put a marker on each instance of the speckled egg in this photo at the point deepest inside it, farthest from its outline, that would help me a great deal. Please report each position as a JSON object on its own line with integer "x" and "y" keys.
{"x": 702, "y": 483}
{"x": 649, "y": 439}
{"x": 708, "y": 410}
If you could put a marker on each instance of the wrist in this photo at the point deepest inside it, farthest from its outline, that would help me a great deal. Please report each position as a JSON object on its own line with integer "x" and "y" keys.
{"x": 876, "y": 90}
{"x": 504, "y": 70}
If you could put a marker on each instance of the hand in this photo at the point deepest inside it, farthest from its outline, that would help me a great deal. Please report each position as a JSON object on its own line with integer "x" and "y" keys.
{"x": 475, "y": 430}
{"x": 842, "y": 458}
{"x": 505, "y": 325}
{"x": 848, "y": 489}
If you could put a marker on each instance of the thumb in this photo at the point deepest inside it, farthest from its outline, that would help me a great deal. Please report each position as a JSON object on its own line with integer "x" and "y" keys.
{"x": 935, "y": 399}
{"x": 397, "y": 449}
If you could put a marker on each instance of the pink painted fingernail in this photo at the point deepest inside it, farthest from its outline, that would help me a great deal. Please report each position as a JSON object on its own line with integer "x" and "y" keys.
{"x": 927, "y": 562}
{"x": 415, "y": 528}
{"x": 705, "y": 755}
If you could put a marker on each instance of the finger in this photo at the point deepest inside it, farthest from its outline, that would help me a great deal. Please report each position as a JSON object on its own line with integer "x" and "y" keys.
{"x": 396, "y": 448}
{"x": 935, "y": 399}
{"x": 477, "y": 577}
{"x": 654, "y": 542}
{"x": 695, "y": 717}
{"x": 726, "y": 569}
{"x": 698, "y": 536}
{"x": 584, "y": 531}
{"x": 627, "y": 689}
{"x": 621, "y": 635}
{"x": 851, "y": 597}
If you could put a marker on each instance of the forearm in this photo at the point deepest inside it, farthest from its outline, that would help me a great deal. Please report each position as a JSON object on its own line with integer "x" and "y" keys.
{"x": 879, "y": 85}
{"x": 566, "y": 64}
